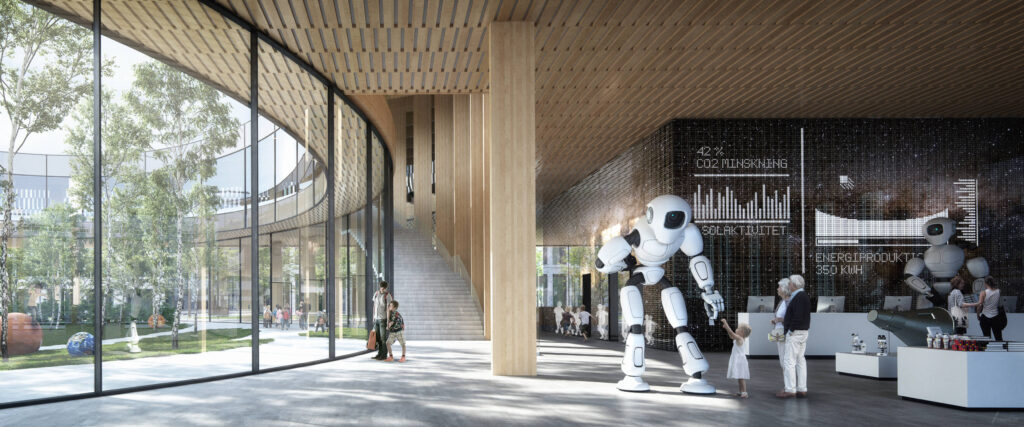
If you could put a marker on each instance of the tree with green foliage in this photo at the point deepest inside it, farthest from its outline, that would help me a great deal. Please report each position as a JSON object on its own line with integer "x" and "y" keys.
{"x": 190, "y": 124}
{"x": 45, "y": 68}
{"x": 52, "y": 253}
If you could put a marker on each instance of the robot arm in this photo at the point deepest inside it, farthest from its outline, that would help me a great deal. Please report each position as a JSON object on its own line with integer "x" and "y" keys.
{"x": 612, "y": 256}
{"x": 700, "y": 267}
{"x": 912, "y": 272}
{"x": 978, "y": 267}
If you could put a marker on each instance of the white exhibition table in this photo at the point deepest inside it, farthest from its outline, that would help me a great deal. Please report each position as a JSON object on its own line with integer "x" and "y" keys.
{"x": 830, "y": 333}
{"x": 968, "y": 379}
{"x": 867, "y": 365}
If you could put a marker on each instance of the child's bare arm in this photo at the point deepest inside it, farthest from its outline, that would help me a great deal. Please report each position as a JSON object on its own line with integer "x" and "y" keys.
{"x": 728, "y": 329}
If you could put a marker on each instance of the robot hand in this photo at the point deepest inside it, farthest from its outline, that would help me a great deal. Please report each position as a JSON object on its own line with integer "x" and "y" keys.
{"x": 713, "y": 304}
{"x": 918, "y": 284}
{"x": 614, "y": 267}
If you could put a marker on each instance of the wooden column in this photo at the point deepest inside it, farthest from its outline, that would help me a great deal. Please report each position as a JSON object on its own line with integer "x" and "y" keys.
{"x": 443, "y": 163}
{"x": 423, "y": 200}
{"x": 512, "y": 240}
{"x": 398, "y": 108}
{"x": 478, "y": 201}
{"x": 462, "y": 123}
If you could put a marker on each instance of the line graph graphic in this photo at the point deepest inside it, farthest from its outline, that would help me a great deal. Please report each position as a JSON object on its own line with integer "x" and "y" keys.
{"x": 724, "y": 207}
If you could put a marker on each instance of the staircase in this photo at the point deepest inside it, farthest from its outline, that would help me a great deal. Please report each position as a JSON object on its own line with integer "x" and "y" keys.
{"x": 435, "y": 302}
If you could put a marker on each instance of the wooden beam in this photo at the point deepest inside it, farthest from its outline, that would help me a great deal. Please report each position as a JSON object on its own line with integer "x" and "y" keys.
{"x": 423, "y": 200}
{"x": 478, "y": 200}
{"x": 462, "y": 202}
{"x": 443, "y": 158}
{"x": 511, "y": 111}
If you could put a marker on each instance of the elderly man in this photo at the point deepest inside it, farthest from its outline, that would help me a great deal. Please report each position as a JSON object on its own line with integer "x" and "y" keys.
{"x": 796, "y": 323}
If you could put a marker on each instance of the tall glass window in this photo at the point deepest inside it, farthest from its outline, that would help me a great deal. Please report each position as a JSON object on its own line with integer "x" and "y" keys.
{"x": 293, "y": 215}
{"x": 173, "y": 179}
{"x": 47, "y": 307}
{"x": 178, "y": 297}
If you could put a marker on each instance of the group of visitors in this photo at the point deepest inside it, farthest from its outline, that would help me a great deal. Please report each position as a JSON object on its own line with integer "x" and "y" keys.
{"x": 991, "y": 315}
{"x": 789, "y": 331}
{"x": 388, "y": 324}
{"x": 282, "y": 317}
{"x": 573, "y": 321}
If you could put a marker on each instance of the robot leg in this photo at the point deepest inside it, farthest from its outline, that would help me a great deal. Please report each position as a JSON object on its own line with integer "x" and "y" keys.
{"x": 633, "y": 360}
{"x": 694, "y": 363}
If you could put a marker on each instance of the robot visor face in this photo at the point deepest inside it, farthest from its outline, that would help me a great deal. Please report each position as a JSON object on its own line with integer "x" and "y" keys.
{"x": 935, "y": 230}
{"x": 675, "y": 219}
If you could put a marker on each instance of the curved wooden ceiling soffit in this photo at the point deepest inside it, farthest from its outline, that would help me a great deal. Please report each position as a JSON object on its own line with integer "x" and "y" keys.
{"x": 610, "y": 72}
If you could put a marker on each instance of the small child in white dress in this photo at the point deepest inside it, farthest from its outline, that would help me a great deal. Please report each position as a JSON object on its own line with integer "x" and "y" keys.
{"x": 738, "y": 368}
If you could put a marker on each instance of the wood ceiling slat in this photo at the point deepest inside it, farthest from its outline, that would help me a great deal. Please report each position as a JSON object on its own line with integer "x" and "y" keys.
{"x": 609, "y": 72}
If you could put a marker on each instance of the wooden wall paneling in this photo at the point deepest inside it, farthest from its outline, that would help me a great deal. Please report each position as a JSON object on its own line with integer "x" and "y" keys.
{"x": 462, "y": 201}
{"x": 398, "y": 109}
{"x": 443, "y": 155}
{"x": 485, "y": 236}
{"x": 422, "y": 197}
{"x": 478, "y": 201}
{"x": 512, "y": 244}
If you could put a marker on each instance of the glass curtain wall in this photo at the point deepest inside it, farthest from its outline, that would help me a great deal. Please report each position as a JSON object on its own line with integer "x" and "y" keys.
{"x": 176, "y": 299}
{"x": 46, "y": 149}
{"x": 293, "y": 214}
{"x": 350, "y": 202}
{"x": 172, "y": 164}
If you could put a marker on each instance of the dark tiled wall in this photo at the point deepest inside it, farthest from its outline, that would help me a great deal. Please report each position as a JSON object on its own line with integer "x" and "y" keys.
{"x": 862, "y": 169}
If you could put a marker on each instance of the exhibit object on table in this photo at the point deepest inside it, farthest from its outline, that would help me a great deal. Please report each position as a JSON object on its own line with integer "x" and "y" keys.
{"x": 911, "y": 327}
{"x": 883, "y": 345}
{"x": 858, "y": 343}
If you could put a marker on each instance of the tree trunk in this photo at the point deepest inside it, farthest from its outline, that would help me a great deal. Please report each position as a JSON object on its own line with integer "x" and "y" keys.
{"x": 177, "y": 285}
{"x": 6, "y": 230}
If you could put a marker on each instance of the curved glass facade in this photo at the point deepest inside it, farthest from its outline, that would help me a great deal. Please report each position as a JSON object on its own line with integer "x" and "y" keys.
{"x": 185, "y": 231}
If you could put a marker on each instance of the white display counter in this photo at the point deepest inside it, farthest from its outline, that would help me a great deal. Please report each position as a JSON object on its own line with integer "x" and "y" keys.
{"x": 866, "y": 365}
{"x": 974, "y": 379}
{"x": 830, "y": 333}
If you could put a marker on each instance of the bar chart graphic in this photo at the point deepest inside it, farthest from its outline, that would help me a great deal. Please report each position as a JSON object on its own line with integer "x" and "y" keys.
{"x": 831, "y": 230}
{"x": 724, "y": 207}
{"x": 967, "y": 199}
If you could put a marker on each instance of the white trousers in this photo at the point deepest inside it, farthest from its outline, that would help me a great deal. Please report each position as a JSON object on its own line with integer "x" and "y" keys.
{"x": 782, "y": 354}
{"x": 795, "y": 368}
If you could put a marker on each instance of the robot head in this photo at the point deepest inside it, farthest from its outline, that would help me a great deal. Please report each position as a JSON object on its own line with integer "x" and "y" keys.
{"x": 668, "y": 215}
{"x": 938, "y": 231}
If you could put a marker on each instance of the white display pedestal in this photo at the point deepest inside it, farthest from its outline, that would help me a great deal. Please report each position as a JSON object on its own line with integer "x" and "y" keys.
{"x": 867, "y": 365}
{"x": 974, "y": 379}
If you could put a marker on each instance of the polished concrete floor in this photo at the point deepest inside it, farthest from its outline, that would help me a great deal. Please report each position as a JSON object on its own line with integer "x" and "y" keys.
{"x": 449, "y": 383}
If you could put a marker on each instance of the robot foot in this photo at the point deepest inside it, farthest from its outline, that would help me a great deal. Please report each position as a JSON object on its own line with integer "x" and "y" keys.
{"x": 697, "y": 386}
{"x": 634, "y": 384}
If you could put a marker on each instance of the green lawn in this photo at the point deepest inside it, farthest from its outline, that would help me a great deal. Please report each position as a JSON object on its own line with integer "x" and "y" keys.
{"x": 188, "y": 343}
{"x": 359, "y": 333}
{"x": 61, "y": 336}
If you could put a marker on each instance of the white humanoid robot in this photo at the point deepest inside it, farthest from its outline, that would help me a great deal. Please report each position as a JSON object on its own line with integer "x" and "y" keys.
{"x": 943, "y": 260}
{"x": 665, "y": 229}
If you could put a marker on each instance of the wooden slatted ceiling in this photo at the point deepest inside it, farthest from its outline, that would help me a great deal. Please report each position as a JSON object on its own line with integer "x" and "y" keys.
{"x": 610, "y": 72}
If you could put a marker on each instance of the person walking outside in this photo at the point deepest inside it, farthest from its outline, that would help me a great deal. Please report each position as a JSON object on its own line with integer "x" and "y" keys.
{"x": 584, "y": 322}
{"x": 381, "y": 300}
{"x": 796, "y": 324}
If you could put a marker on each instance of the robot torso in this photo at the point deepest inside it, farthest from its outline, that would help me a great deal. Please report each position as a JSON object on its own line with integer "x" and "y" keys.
{"x": 649, "y": 251}
{"x": 943, "y": 261}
